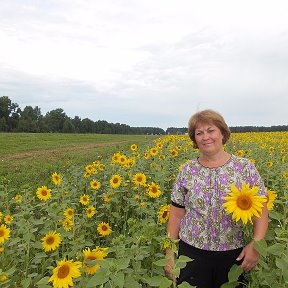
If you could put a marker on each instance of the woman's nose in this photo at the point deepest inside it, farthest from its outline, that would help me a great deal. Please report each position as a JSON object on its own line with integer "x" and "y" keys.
{"x": 205, "y": 135}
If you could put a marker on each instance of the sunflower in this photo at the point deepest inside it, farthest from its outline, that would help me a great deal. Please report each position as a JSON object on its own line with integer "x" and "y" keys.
{"x": 86, "y": 175}
{"x": 18, "y": 198}
{"x": 244, "y": 203}
{"x": 147, "y": 155}
{"x": 161, "y": 157}
{"x": 107, "y": 198}
{"x": 115, "y": 181}
{"x": 101, "y": 167}
{"x": 56, "y": 178}
{"x": 133, "y": 147}
{"x": 89, "y": 256}
{"x": 90, "y": 211}
{"x": 130, "y": 162}
{"x": 104, "y": 229}
{"x": 116, "y": 157}
{"x": 167, "y": 243}
{"x": 1, "y": 249}
{"x": 269, "y": 164}
{"x": 95, "y": 163}
{"x": 43, "y": 193}
{"x": 94, "y": 184}
{"x": 163, "y": 214}
{"x": 4, "y": 233}
{"x": 271, "y": 196}
{"x": 84, "y": 199}
{"x": 159, "y": 145}
{"x": 139, "y": 179}
{"x": 89, "y": 168}
{"x": 153, "y": 151}
{"x": 67, "y": 224}
{"x": 64, "y": 273}
{"x": 122, "y": 159}
{"x": 3, "y": 277}
{"x": 51, "y": 241}
{"x": 8, "y": 219}
{"x": 173, "y": 153}
{"x": 69, "y": 213}
{"x": 240, "y": 153}
{"x": 153, "y": 190}
{"x": 271, "y": 149}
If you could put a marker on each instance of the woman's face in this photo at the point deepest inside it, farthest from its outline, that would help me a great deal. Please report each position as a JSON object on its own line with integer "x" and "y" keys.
{"x": 208, "y": 138}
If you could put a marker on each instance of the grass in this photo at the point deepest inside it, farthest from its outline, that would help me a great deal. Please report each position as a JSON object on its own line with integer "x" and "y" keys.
{"x": 30, "y": 158}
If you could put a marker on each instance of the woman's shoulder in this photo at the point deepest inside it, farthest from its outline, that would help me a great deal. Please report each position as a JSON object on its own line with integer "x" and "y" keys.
{"x": 190, "y": 163}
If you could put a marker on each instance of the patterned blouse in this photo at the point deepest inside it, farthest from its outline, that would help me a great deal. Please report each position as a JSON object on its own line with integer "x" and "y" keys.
{"x": 200, "y": 190}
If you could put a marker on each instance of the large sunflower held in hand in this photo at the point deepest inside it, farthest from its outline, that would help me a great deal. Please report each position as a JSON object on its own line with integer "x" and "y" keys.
{"x": 244, "y": 203}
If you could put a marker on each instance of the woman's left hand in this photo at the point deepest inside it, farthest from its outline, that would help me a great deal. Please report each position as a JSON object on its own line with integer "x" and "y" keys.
{"x": 249, "y": 257}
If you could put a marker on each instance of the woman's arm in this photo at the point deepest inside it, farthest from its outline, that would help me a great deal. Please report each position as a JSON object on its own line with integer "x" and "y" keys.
{"x": 173, "y": 227}
{"x": 249, "y": 254}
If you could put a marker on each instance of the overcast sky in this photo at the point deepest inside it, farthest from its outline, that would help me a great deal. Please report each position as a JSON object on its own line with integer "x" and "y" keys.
{"x": 147, "y": 62}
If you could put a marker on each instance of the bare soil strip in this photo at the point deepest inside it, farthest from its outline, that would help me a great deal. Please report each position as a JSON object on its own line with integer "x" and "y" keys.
{"x": 59, "y": 150}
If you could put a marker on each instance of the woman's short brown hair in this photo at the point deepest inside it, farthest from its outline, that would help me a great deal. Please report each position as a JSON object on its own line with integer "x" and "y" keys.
{"x": 208, "y": 117}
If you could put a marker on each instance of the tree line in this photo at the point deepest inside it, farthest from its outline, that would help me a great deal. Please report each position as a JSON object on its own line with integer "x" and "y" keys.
{"x": 14, "y": 119}
{"x": 236, "y": 129}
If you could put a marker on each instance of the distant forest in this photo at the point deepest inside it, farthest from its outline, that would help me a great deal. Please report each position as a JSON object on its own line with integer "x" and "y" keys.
{"x": 14, "y": 119}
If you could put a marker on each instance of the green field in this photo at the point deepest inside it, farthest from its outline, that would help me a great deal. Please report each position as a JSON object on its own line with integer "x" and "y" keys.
{"x": 30, "y": 158}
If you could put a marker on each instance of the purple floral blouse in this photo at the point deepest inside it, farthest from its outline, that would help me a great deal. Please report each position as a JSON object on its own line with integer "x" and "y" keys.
{"x": 200, "y": 190}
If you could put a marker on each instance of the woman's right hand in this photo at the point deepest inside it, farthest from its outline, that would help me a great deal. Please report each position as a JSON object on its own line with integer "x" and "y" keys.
{"x": 169, "y": 266}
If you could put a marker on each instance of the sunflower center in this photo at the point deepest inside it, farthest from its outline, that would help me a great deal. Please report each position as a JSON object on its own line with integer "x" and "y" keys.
{"x": 164, "y": 215}
{"x": 154, "y": 190}
{"x": 50, "y": 240}
{"x": 244, "y": 202}
{"x": 63, "y": 271}
{"x": 44, "y": 192}
{"x": 139, "y": 179}
{"x": 115, "y": 180}
{"x": 91, "y": 257}
{"x": 1, "y": 233}
{"x": 104, "y": 228}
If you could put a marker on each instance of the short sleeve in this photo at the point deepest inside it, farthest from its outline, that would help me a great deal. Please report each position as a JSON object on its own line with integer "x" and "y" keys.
{"x": 179, "y": 190}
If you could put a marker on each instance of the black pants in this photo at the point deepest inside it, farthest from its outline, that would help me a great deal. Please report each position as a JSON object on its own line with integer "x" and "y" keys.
{"x": 209, "y": 269}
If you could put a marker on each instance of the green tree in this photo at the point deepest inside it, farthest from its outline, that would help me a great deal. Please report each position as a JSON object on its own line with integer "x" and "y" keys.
{"x": 10, "y": 112}
{"x": 88, "y": 126}
{"x": 30, "y": 119}
{"x": 54, "y": 120}
{"x": 68, "y": 126}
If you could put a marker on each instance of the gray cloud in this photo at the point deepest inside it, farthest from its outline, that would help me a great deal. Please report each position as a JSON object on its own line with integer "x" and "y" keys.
{"x": 147, "y": 63}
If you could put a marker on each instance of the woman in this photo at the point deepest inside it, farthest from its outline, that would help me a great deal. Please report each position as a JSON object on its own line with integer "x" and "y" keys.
{"x": 207, "y": 234}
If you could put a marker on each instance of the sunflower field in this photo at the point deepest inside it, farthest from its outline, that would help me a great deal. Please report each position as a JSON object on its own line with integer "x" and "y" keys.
{"x": 104, "y": 224}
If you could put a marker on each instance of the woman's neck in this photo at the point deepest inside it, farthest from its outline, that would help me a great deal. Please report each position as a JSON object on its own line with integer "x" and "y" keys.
{"x": 214, "y": 160}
